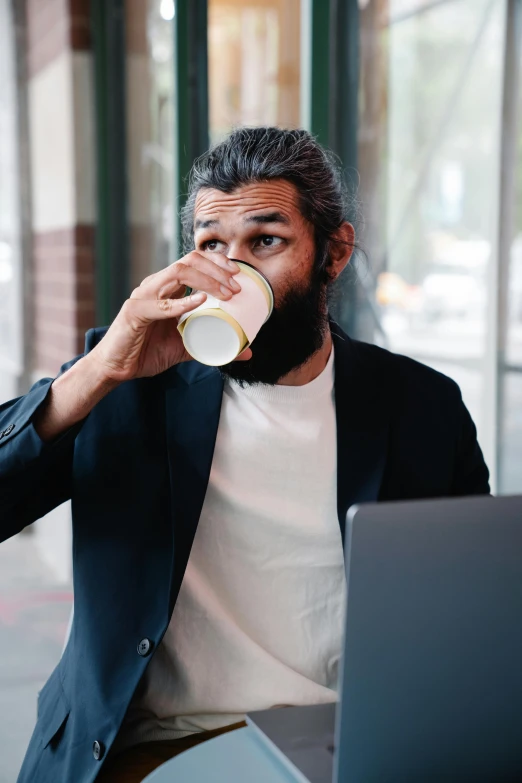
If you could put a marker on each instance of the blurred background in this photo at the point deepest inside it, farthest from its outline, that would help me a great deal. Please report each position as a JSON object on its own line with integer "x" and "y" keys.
{"x": 104, "y": 105}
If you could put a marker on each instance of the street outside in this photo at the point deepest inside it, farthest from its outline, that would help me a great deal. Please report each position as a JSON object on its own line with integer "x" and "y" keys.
{"x": 34, "y": 613}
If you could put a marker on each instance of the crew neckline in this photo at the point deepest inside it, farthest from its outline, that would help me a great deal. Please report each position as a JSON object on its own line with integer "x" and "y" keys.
{"x": 320, "y": 386}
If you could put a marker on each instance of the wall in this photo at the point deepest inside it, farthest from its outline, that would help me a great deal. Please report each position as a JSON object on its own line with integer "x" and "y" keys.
{"x": 62, "y": 155}
{"x": 62, "y": 163}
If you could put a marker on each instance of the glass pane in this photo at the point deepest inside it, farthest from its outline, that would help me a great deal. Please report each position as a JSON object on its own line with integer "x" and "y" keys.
{"x": 514, "y": 309}
{"x": 150, "y": 134}
{"x": 10, "y": 259}
{"x": 510, "y": 463}
{"x": 254, "y": 64}
{"x": 429, "y": 144}
{"x": 510, "y": 380}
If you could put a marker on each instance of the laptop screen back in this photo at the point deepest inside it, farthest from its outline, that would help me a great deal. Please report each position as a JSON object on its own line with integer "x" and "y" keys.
{"x": 432, "y": 671}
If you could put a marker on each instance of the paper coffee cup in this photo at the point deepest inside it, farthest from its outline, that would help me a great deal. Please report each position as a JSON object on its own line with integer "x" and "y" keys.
{"x": 216, "y": 332}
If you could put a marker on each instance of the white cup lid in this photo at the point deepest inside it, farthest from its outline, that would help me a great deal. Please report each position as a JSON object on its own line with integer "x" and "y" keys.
{"x": 211, "y": 340}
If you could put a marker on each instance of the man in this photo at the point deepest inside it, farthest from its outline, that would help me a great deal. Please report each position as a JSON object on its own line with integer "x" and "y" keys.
{"x": 209, "y": 506}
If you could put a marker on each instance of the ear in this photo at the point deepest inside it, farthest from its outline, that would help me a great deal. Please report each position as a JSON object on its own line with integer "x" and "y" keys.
{"x": 341, "y": 249}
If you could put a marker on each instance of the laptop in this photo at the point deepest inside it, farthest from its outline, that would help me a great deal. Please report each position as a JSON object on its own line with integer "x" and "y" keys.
{"x": 431, "y": 676}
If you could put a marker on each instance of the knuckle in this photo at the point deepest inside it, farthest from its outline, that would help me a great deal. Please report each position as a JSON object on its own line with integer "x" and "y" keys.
{"x": 164, "y": 305}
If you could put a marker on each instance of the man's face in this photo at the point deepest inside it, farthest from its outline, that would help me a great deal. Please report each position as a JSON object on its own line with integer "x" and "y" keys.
{"x": 261, "y": 224}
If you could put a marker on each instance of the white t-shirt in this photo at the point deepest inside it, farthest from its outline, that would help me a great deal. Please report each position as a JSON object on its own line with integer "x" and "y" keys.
{"x": 258, "y": 621}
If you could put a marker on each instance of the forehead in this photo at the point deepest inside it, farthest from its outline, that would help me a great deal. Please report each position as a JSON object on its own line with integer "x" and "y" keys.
{"x": 244, "y": 202}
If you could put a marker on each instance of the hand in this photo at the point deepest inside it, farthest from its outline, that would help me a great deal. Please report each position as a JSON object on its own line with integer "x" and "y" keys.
{"x": 143, "y": 340}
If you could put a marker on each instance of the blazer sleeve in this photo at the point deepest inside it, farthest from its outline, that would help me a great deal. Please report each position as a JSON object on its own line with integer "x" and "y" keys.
{"x": 471, "y": 475}
{"x": 35, "y": 477}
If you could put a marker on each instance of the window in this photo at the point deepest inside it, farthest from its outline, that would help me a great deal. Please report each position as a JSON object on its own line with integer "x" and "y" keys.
{"x": 429, "y": 157}
{"x": 254, "y": 64}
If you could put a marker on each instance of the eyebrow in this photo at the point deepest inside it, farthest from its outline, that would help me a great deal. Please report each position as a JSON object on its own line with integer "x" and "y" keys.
{"x": 270, "y": 217}
{"x": 206, "y": 223}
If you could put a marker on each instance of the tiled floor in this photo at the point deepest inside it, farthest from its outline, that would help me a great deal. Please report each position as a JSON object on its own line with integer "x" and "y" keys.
{"x": 34, "y": 613}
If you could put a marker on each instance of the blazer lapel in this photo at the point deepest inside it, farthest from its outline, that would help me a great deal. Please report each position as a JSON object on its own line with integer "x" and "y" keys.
{"x": 362, "y": 427}
{"x": 193, "y": 404}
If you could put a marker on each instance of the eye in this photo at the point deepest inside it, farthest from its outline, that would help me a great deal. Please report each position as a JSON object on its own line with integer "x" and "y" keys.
{"x": 268, "y": 241}
{"x": 214, "y": 245}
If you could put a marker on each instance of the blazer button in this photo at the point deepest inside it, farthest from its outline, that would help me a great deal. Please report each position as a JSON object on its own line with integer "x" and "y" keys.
{"x": 144, "y": 647}
{"x": 9, "y": 429}
{"x": 98, "y": 749}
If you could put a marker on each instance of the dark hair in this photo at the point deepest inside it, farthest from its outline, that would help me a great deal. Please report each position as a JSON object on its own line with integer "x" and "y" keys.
{"x": 260, "y": 154}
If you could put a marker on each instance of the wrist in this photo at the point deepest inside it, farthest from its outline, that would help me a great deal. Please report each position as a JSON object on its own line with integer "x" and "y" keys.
{"x": 99, "y": 379}
{"x": 72, "y": 396}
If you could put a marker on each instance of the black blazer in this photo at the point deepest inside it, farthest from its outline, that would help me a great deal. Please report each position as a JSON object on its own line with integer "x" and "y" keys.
{"x": 137, "y": 469}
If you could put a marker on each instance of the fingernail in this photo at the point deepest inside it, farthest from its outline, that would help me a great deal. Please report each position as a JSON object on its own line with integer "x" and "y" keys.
{"x": 198, "y": 297}
{"x": 225, "y": 291}
{"x": 234, "y": 284}
{"x": 233, "y": 265}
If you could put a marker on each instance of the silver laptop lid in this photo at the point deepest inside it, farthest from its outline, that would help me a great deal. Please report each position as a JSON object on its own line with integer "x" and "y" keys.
{"x": 432, "y": 671}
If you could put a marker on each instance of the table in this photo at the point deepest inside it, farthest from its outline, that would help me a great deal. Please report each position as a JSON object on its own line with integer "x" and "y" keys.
{"x": 235, "y": 757}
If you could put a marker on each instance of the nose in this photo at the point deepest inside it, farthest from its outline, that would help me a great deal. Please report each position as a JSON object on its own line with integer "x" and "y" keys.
{"x": 239, "y": 250}
{"x": 243, "y": 258}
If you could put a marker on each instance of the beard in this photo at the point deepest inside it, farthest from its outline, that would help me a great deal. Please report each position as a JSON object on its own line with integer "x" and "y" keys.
{"x": 293, "y": 333}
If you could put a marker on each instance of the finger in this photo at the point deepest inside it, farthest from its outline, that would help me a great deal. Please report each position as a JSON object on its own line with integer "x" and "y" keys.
{"x": 207, "y": 267}
{"x": 228, "y": 264}
{"x": 139, "y": 313}
{"x": 212, "y": 282}
{"x": 215, "y": 265}
{"x": 167, "y": 283}
{"x": 148, "y": 279}
{"x": 154, "y": 282}
{"x": 184, "y": 276}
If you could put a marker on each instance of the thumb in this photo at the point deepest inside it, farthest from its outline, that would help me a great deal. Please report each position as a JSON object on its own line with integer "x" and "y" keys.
{"x": 243, "y": 357}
